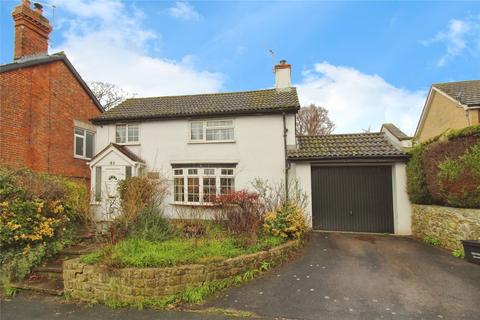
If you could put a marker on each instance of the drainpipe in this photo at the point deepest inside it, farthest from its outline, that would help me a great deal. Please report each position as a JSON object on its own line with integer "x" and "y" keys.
{"x": 285, "y": 130}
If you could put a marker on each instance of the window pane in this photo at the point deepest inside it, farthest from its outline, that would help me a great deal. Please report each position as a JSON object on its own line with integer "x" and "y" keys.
{"x": 227, "y": 172}
{"x": 192, "y": 171}
{"x": 128, "y": 171}
{"x": 209, "y": 172}
{"x": 193, "y": 189}
{"x": 178, "y": 192}
{"x": 89, "y": 145}
{"x": 132, "y": 133}
{"x": 79, "y": 146}
{"x": 178, "y": 172}
{"x": 98, "y": 183}
{"x": 120, "y": 135}
{"x": 226, "y": 185}
{"x": 219, "y": 134}
{"x": 209, "y": 189}
{"x": 196, "y": 129}
{"x": 219, "y": 123}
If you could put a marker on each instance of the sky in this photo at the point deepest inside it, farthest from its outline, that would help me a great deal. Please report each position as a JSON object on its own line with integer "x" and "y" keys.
{"x": 367, "y": 63}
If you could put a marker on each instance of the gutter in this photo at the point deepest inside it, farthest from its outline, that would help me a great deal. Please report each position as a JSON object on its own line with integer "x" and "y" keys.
{"x": 287, "y": 163}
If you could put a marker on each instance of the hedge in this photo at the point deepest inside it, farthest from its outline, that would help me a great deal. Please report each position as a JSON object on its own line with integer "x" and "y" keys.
{"x": 446, "y": 170}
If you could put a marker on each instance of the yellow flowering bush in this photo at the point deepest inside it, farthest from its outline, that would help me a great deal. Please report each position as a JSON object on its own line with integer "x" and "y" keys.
{"x": 286, "y": 222}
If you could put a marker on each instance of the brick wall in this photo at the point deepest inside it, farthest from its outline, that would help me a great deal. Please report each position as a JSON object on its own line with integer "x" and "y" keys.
{"x": 38, "y": 106}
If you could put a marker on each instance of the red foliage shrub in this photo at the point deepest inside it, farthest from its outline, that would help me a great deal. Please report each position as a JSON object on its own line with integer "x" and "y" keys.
{"x": 241, "y": 210}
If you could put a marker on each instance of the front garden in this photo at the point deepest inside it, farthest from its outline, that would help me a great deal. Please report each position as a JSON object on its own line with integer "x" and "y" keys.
{"x": 151, "y": 260}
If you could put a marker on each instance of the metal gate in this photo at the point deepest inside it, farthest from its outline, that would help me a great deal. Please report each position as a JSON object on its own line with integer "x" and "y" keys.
{"x": 352, "y": 198}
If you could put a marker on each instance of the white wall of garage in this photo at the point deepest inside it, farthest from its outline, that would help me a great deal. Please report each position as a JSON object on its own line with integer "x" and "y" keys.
{"x": 401, "y": 203}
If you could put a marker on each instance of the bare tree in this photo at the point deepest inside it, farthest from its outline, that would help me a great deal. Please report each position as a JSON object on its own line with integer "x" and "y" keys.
{"x": 109, "y": 94}
{"x": 313, "y": 120}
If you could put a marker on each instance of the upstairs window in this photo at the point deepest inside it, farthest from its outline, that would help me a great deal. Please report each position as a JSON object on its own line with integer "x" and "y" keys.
{"x": 83, "y": 143}
{"x": 212, "y": 130}
{"x": 127, "y": 133}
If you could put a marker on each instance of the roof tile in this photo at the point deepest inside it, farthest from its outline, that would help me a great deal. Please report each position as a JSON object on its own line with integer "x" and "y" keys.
{"x": 466, "y": 92}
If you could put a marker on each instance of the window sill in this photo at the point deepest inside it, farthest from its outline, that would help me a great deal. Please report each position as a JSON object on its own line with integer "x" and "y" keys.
{"x": 192, "y": 204}
{"x": 128, "y": 143}
{"x": 82, "y": 158}
{"x": 209, "y": 142}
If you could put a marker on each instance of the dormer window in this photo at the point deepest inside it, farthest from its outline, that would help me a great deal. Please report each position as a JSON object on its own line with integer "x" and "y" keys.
{"x": 127, "y": 134}
{"x": 212, "y": 131}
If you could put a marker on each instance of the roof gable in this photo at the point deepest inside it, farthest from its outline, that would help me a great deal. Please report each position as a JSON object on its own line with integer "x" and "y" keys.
{"x": 121, "y": 150}
{"x": 465, "y": 92}
{"x": 32, "y": 61}
{"x": 172, "y": 107}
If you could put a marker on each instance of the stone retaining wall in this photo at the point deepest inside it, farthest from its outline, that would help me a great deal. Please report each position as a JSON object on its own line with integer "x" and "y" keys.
{"x": 93, "y": 283}
{"x": 448, "y": 225}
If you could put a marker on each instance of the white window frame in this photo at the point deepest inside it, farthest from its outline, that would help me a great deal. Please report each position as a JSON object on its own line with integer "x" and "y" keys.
{"x": 205, "y": 128}
{"x": 201, "y": 173}
{"x": 127, "y": 141}
{"x": 84, "y": 137}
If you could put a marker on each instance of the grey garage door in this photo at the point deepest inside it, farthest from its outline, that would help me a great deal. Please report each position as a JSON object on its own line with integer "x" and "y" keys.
{"x": 352, "y": 198}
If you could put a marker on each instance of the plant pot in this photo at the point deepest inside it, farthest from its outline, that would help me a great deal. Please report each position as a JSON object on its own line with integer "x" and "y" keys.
{"x": 472, "y": 250}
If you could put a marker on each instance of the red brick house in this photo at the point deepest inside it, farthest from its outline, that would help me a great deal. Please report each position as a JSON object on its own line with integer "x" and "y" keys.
{"x": 45, "y": 106}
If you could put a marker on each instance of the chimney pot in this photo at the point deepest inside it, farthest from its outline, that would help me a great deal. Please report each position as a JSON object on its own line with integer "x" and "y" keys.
{"x": 26, "y": 3}
{"x": 38, "y": 7}
{"x": 283, "y": 75}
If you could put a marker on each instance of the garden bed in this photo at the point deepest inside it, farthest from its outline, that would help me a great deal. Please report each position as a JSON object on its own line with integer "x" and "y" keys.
{"x": 161, "y": 287}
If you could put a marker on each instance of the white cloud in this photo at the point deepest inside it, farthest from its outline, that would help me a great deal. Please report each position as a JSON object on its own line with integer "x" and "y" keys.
{"x": 184, "y": 11}
{"x": 357, "y": 101}
{"x": 106, "y": 41}
{"x": 459, "y": 36}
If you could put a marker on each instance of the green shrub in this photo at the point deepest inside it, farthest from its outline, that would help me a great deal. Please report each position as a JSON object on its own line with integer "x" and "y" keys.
{"x": 153, "y": 226}
{"x": 416, "y": 183}
{"x": 459, "y": 253}
{"x": 37, "y": 215}
{"x": 432, "y": 241}
{"x": 446, "y": 170}
{"x": 286, "y": 222}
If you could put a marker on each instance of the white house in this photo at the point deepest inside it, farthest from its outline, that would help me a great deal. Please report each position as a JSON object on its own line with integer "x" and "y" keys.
{"x": 210, "y": 144}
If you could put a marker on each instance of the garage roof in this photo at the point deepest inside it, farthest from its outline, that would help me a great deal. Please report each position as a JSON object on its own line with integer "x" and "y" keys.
{"x": 345, "y": 146}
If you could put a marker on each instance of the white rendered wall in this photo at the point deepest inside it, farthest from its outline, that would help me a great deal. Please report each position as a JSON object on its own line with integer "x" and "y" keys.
{"x": 401, "y": 202}
{"x": 301, "y": 171}
{"x": 258, "y": 148}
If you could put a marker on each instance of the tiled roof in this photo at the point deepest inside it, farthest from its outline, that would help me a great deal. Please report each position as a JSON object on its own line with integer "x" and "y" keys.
{"x": 246, "y": 102}
{"x": 345, "y": 146}
{"x": 35, "y": 60}
{"x": 465, "y": 92}
{"x": 128, "y": 153}
{"x": 399, "y": 134}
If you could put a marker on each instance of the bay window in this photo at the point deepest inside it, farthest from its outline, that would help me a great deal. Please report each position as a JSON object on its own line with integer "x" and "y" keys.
{"x": 212, "y": 130}
{"x": 201, "y": 185}
{"x": 126, "y": 133}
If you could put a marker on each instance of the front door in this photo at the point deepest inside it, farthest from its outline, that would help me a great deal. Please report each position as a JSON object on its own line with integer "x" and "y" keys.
{"x": 111, "y": 176}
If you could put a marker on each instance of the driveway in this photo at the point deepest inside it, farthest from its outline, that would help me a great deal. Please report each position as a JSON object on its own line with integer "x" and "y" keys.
{"x": 348, "y": 276}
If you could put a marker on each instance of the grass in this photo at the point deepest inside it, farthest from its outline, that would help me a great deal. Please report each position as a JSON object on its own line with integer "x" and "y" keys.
{"x": 141, "y": 253}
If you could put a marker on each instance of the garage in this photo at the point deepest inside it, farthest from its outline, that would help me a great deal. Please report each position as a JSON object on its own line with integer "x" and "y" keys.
{"x": 352, "y": 198}
{"x": 354, "y": 182}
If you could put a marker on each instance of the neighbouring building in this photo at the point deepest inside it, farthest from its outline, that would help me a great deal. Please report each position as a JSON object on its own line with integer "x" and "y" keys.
{"x": 451, "y": 105}
{"x": 212, "y": 144}
{"x": 45, "y": 106}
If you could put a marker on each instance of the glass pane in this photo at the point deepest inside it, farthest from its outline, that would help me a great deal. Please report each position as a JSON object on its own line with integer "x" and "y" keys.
{"x": 226, "y": 185}
{"x": 98, "y": 183}
{"x": 128, "y": 171}
{"x": 219, "y": 134}
{"x": 193, "y": 189}
{"x": 178, "y": 192}
{"x": 209, "y": 189}
{"x": 196, "y": 129}
{"x": 192, "y": 171}
{"x": 89, "y": 145}
{"x": 120, "y": 135}
{"x": 219, "y": 123}
{"x": 133, "y": 133}
{"x": 227, "y": 172}
{"x": 79, "y": 146}
{"x": 178, "y": 172}
{"x": 209, "y": 172}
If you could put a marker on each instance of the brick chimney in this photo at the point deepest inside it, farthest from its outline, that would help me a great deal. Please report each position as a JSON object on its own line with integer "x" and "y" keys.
{"x": 31, "y": 30}
{"x": 283, "y": 75}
